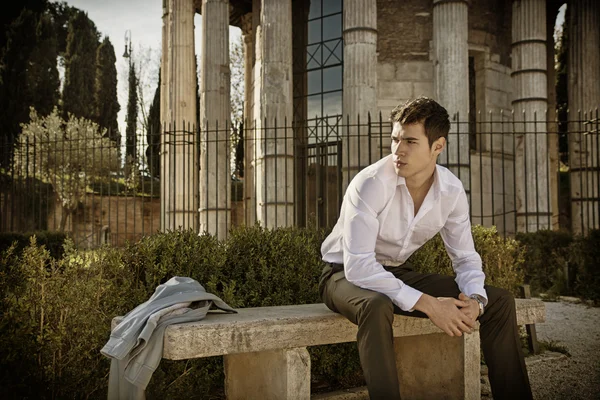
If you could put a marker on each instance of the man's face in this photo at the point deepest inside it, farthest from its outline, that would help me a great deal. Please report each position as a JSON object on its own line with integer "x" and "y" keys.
{"x": 411, "y": 151}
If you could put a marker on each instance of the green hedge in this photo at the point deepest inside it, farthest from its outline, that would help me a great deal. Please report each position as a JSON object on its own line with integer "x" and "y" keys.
{"x": 502, "y": 258}
{"x": 545, "y": 255}
{"x": 558, "y": 263}
{"x": 53, "y": 241}
{"x": 57, "y": 312}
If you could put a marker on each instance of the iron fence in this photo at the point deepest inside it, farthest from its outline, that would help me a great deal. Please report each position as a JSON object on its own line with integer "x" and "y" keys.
{"x": 521, "y": 173}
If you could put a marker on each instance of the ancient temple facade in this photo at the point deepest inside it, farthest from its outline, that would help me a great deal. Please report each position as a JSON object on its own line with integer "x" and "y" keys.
{"x": 311, "y": 62}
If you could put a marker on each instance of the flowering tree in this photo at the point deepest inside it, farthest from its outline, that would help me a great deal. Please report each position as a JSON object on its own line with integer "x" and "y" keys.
{"x": 65, "y": 154}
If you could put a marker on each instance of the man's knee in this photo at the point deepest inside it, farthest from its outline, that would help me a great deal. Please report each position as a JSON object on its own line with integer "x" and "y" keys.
{"x": 378, "y": 306}
{"x": 505, "y": 297}
{"x": 501, "y": 300}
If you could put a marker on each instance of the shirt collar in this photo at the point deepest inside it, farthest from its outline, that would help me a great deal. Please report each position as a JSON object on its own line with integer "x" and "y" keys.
{"x": 438, "y": 184}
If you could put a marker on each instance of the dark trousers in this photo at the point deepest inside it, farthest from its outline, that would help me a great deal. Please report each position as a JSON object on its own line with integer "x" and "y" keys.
{"x": 373, "y": 312}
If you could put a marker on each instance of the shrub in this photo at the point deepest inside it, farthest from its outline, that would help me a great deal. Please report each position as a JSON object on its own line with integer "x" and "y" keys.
{"x": 155, "y": 259}
{"x": 546, "y": 253}
{"x": 502, "y": 258}
{"x": 53, "y": 241}
{"x": 57, "y": 312}
{"x": 584, "y": 253}
{"x": 54, "y": 322}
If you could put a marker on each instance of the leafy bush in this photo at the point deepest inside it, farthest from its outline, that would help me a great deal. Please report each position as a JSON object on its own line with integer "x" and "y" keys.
{"x": 502, "y": 258}
{"x": 546, "y": 253}
{"x": 57, "y": 312}
{"x": 54, "y": 321}
{"x": 53, "y": 241}
{"x": 584, "y": 254}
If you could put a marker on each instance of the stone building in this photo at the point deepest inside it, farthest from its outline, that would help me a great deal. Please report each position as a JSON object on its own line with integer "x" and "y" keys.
{"x": 328, "y": 58}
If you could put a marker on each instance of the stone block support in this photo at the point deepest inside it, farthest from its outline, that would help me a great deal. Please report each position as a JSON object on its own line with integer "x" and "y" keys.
{"x": 268, "y": 375}
{"x": 360, "y": 85}
{"x": 584, "y": 100}
{"x": 179, "y": 170}
{"x": 448, "y": 367}
{"x": 451, "y": 80}
{"x": 273, "y": 158}
{"x": 215, "y": 182}
{"x": 530, "y": 102}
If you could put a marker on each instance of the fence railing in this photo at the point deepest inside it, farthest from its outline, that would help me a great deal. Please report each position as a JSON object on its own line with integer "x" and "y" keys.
{"x": 521, "y": 173}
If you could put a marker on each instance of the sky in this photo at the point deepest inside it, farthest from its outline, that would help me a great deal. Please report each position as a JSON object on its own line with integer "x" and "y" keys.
{"x": 142, "y": 19}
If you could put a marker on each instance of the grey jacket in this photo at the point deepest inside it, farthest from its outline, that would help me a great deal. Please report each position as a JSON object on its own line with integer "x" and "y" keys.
{"x": 136, "y": 344}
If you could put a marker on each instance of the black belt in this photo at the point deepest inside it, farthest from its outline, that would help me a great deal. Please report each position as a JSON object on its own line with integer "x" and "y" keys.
{"x": 336, "y": 267}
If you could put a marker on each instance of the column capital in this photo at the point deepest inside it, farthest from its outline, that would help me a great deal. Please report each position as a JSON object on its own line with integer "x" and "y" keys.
{"x": 440, "y": 2}
{"x": 246, "y": 24}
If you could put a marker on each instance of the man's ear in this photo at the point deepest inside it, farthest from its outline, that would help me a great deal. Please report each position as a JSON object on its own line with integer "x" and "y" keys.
{"x": 438, "y": 145}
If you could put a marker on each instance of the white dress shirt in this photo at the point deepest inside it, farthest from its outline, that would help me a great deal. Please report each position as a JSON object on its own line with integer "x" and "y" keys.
{"x": 377, "y": 227}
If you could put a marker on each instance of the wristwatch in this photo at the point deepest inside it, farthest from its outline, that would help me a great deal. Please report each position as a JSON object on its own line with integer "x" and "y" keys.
{"x": 479, "y": 299}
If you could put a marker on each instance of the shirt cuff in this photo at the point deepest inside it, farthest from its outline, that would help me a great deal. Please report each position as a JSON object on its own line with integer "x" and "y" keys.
{"x": 476, "y": 289}
{"x": 407, "y": 298}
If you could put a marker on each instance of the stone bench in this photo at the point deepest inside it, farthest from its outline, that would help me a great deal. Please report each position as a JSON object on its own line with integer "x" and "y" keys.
{"x": 265, "y": 355}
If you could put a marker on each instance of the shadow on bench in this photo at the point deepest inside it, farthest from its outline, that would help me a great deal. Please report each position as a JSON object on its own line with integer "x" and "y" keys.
{"x": 265, "y": 354}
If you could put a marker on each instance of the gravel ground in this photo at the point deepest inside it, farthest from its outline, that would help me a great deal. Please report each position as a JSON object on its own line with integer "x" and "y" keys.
{"x": 553, "y": 376}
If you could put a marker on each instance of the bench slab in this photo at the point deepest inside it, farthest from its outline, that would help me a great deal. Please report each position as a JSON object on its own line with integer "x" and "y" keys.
{"x": 283, "y": 327}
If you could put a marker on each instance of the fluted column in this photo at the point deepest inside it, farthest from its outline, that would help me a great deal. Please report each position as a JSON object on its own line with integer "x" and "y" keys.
{"x": 179, "y": 175}
{"x": 530, "y": 101}
{"x": 215, "y": 194}
{"x": 360, "y": 85}
{"x": 584, "y": 99}
{"x": 451, "y": 80}
{"x": 273, "y": 105}
{"x": 249, "y": 197}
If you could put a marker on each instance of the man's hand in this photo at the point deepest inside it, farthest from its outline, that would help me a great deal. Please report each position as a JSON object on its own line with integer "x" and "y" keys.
{"x": 472, "y": 309}
{"x": 446, "y": 313}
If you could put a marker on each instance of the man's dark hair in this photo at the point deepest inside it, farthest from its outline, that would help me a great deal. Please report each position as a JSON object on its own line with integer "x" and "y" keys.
{"x": 427, "y": 111}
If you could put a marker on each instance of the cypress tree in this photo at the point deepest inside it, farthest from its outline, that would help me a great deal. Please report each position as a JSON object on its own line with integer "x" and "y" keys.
{"x": 10, "y": 11}
{"x": 130, "y": 130}
{"x": 42, "y": 75}
{"x": 80, "y": 67}
{"x": 14, "y": 93}
{"x": 61, "y": 15}
{"x": 105, "y": 96}
{"x": 153, "y": 132}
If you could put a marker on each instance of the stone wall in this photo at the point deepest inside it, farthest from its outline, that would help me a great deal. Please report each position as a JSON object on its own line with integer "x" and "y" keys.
{"x": 111, "y": 219}
{"x": 405, "y": 69}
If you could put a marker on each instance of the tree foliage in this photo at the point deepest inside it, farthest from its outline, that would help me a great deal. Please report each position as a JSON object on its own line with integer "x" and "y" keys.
{"x": 105, "y": 95}
{"x": 28, "y": 73}
{"x": 65, "y": 154}
{"x": 42, "y": 73}
{"x": 80, "y": 67}
{"x": 153, "y": 131}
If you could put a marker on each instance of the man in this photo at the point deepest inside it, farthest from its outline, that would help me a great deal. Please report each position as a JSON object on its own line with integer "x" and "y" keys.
{"x": 390, "y": 209}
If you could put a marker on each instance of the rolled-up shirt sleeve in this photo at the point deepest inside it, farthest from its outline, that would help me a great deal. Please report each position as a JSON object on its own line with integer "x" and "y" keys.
{"x": 458, "y": 240}
{"x": 361, "y": 228}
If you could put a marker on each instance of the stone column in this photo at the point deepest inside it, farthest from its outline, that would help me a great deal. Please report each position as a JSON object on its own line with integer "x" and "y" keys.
{"x": 360, "y": 86}
{"x": 215, "y": 128}
{"x": 451, "y": 80}
{"x": 530, "y": 102}
{"x": 584, "y": 99}
{"x": 179, "y": 175}
{"x": 273, "y": 107}
{"x": 249, "y": 171}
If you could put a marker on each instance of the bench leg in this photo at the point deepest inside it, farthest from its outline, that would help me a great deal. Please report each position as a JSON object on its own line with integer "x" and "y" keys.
{"x": 438, "y": 366}
{"x": 268, "y": 375}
